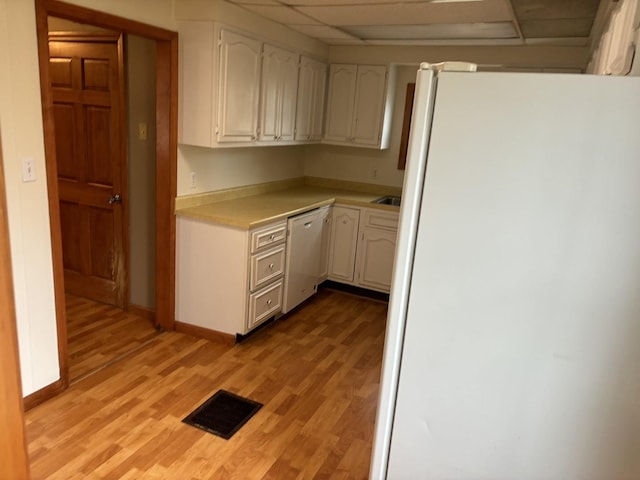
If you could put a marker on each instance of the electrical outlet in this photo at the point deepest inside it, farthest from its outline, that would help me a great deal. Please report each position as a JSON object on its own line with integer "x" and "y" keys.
{"x": 28, "y": 169}
{"x": 194, "y": 182}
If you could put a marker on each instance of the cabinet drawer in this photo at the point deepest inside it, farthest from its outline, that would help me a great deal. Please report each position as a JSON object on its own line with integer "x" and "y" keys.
{"x": 381, "y": 219}
{"x": 266, "y": 266}
{"x": 264, "y": 303}
{"x": 270, "y": 235}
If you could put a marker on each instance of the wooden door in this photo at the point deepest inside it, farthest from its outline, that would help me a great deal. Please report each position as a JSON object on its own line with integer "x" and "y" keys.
{"x": 88, "y": 103}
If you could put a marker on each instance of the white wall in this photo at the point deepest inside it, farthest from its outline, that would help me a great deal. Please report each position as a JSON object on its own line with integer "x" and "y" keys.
{"x": 141, "y": 102}
{"x": 21, "y": 124}
{"x": 222, "y": 168}
{"x": 364, "y": 164}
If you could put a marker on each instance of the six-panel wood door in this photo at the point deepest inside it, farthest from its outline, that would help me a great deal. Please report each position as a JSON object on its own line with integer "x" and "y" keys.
{"x": 88, "y": 94}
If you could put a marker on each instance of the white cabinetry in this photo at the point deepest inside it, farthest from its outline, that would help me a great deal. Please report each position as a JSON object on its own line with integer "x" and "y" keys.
{"x": 363, "y": 244}
{"x": 326, "y": 215}
{"x": 238, "y": 88}
{"x": 344, "y": 239}
{"x": 228, "y": 280}
{"x": 279, "y": 93}
{"x": 360, "y": 105}
{"x": 312, "y": 85}
{"x": 376, "y": 249}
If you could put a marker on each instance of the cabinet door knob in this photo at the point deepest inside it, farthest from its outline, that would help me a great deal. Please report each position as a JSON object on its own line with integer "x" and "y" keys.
{"x": 269, "y": 302}
{"x": 271, "y": 266}
{"x": 253, "y": 137}
{"x": 272, "y": 236}
{"x": 275, "y": 137}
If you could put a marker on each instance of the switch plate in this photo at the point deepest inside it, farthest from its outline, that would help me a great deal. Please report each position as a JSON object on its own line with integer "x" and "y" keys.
{"x": 28, "y": 169}
{"x": 142, "y": 131}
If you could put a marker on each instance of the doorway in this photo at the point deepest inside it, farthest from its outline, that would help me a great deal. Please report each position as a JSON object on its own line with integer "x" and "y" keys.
{"x": 165, "y": 123}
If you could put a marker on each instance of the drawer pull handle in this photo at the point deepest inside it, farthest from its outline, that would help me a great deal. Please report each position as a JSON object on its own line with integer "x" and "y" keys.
{"x": 272, "y": 236}
{"x": 269, "y": 302}
{"x": 271, "y": 266}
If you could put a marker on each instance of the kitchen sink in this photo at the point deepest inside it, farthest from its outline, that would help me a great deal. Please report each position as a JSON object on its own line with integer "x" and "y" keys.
{"x": 388, "y": 200}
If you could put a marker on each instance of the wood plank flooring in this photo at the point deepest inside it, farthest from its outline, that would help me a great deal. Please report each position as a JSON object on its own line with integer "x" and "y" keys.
{"x": 98, "y": 334}
{"x": 316, "y": 371}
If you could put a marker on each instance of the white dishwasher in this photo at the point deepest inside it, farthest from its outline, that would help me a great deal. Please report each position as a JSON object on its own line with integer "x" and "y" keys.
{"x": 302, "y": 269}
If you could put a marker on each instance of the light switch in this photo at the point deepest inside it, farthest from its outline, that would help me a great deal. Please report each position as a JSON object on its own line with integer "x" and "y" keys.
{"x": 142, "y": 131}
{"x": 28, "y": 169}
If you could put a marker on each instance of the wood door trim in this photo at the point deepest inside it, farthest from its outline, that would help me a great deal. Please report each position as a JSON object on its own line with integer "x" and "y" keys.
{"x": 166, "y": 156}
{"x": 13, "y": 443}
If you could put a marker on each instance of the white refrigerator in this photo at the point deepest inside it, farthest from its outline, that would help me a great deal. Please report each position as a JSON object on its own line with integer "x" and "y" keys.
{"x": 513, "y": 337}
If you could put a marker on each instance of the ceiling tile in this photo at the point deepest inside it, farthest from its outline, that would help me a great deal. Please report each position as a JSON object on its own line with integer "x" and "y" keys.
{"x": 554, "y": 9}
{"x": 322, "y": 31}
{"x": 256, "y": 2}
{"x": 281, "y": 14}
{"x": 437, "y": 31}
{"x": 410, "y": 13}
{"x": 345, "y": 2}
{"x": 557, "y": 28}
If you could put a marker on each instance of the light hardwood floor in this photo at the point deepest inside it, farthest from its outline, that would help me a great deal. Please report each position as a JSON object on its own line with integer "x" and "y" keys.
{"x": 316, "y": 372}
{"x": 98, "y": 334}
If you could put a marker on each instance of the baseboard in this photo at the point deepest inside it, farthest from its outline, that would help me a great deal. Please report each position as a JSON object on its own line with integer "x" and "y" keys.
{"x": 201, "y": 332}
{"x": 352, "y": 289}
{"x": 143, "y": 312}
{"x": 44, "y": 394}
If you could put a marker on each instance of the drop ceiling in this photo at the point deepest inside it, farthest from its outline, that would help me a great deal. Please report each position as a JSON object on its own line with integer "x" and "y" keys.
{"x": 436, "y": 22}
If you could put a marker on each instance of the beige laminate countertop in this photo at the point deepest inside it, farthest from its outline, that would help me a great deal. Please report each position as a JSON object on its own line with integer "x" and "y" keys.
{"x": 257, "y": 210}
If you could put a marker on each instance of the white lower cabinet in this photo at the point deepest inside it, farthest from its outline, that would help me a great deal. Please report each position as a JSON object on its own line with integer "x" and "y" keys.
{"x": 326, "y": 215}
{"x": 228, "y": 279}
{"x": 363, "y": 245}
{"x": 344, "y": 240}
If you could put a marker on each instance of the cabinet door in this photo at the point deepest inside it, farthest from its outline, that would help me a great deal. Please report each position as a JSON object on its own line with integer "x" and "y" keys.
{"x": 369, "y": 104}
{"x": 376, "y": 253}
{"x": 311, "y": 95}
{"x": 196, "y": 116}
{"x": 340, "y": 101}
{"x": 319, "y": 95}
{"x": 326, "y": 214}
{"x": 344, "y": 238}
{"x": 279, "y": 92}
{"x": 238, "y": 87}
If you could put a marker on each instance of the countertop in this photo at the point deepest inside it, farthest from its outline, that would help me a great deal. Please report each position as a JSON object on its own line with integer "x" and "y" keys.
{"x": 257, "y": 210}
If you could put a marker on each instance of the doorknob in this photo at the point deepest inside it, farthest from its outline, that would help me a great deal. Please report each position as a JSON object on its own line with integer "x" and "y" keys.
{"x": 115, "y": 199}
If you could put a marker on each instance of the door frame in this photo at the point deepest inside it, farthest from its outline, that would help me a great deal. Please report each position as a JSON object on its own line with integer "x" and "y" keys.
{"x": 166, "y": 165}
{"x": 13, "y": 444}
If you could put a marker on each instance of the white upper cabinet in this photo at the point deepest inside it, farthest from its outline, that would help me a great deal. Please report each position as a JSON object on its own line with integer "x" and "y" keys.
{"x": 359, "y": 105}
{"x": 340, "y": 102}
{"x": 312, "y": 85}
{"x": 279, "y": 94}
{"x": 238, "y": 87}
{"x": 237, "y": 90}
{"x": 196, "y": 83}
